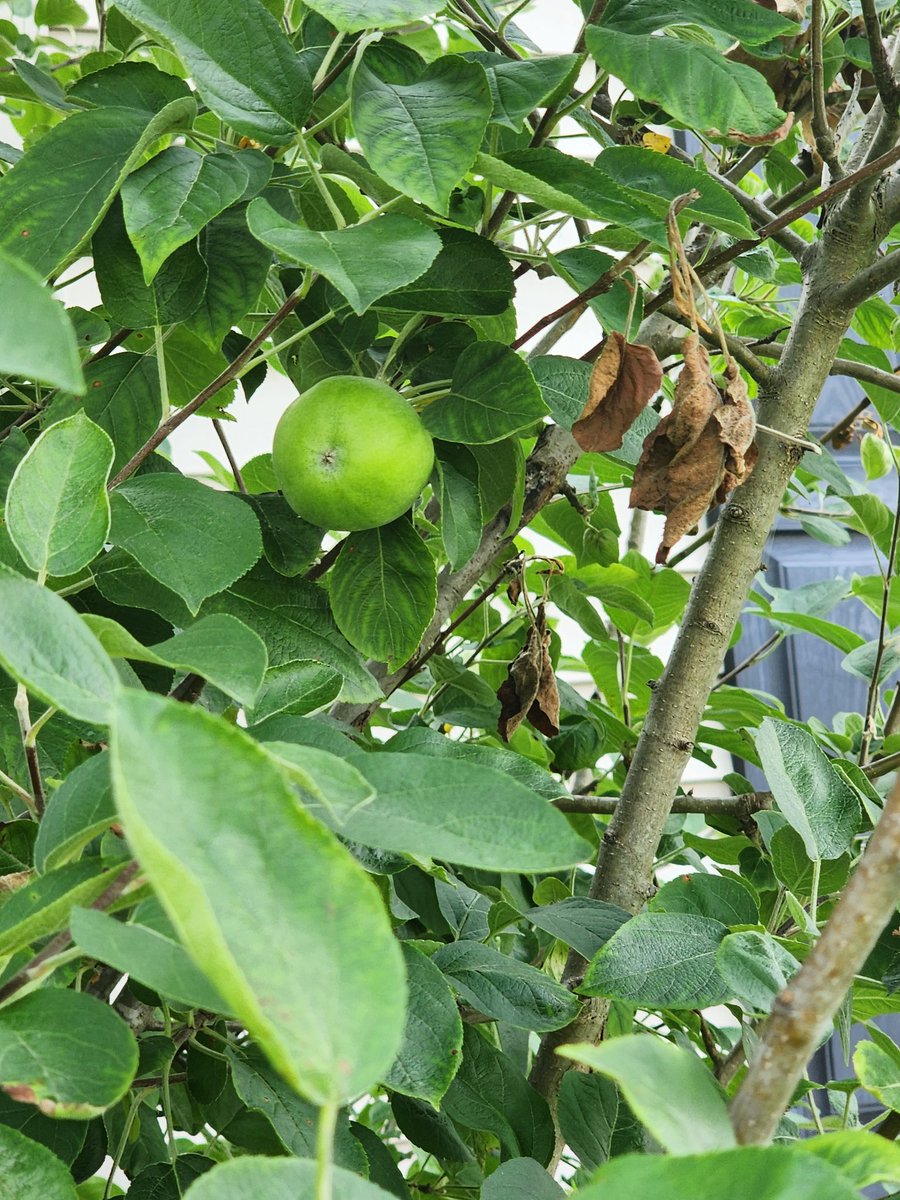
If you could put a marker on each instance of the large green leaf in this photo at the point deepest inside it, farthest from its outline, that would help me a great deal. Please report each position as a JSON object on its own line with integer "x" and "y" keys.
{"x": 280, "y": 1179}
{"x": 855, "y": 1153}
{"x": 720, "y": 897}
{"x": 462, "y": 519}
{"x": 242, "y": 62}
{"x": 122, "y": 398}
{"x": 30, "y": 1169}
{"x": 305, "y": 647}
{"x": 350, "y": 16}
{"x": 236, "y": 269}
{"x": 660, "y": 960}
{"x": 748, "y": 22}
{"x": 755, "y": 967}
{"x": 145, "y": 955}
{"x": 662, "y": 178}
{"x": 519, "y": 86}
{"x": 324, "y": 992}
{"x": 667, "y": 1087}
{"x": 877, "y": 1067}
{"x": 696, "y": 84}
{"x": 169, "y": 200}
{"x": 594, "y": 1119}
{"x": 490, "y": 1093}
{"x": 220, "y": 648}
{"x": 57, "y": 508}
{"x": 383, "y": 591}
{"x": 423, "y": 137}
{"x": 583, "y": 924}
{"x": 519, "y": 1177}
{"x": 80, "y": 808}
{"x": 46, "y": 646}
{"x": 364, "y": 262}
{"x": 746, "y": 1173}
{"x": 455, "y": 810}
{"x": 429, "y": 1054}
{"x": 816, "y": 800}
{"x": 192, "y": 539}
{"x": 493, "y": 394}
{"x": 504, "y": 988}
{"x": 55, "y": 197}
{"x": 36, "y": 337}
{"x": 67, "y": 1052}
{"x": 471, "y": 276}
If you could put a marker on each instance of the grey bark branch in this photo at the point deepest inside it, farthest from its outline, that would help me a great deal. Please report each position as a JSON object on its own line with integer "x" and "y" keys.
{"x": 804, "y": 1010}
{"x": 709, "y": 806}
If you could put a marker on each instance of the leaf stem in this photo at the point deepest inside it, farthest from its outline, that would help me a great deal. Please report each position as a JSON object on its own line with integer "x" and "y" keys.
{"x": 161, "y": 372}
{"x": 324, "y": 1147}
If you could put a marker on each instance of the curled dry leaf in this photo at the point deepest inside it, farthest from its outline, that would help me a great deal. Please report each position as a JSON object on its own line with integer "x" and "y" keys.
{"x": 529, "y": 689}
{"x": 626, "y": 376}
{"x": 700, "y": 451}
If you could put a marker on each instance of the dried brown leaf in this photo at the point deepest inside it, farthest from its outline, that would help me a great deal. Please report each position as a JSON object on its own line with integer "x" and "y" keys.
{"x": 529, "y": 689}
{"x": 626, "y": 376}
{"x": 700, "y": 451}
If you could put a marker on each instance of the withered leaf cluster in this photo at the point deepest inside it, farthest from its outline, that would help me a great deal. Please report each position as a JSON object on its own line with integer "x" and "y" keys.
{"x": 699, "y": 451}
{"x": 529, "y": 689}
{"x": 625, "y": 378}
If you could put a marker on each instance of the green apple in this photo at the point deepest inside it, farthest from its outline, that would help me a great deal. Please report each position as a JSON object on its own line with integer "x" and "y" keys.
{"x": 351, "y": 454}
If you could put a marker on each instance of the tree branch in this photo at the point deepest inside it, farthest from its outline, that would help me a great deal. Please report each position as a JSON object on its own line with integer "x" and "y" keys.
{"x": 883, "y": 272}
{"x": 821, "y": 129}
{"x": 888, "y": 87}
{"x": 804, "y": 1010}
{"x": 740, "y": 807}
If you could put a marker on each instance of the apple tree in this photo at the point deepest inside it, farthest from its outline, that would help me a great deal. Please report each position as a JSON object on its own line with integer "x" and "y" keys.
{"x": 361, "y": 861}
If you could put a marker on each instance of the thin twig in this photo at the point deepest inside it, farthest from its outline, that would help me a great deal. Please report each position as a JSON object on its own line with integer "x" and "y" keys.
{"x": 839, "y": 428}
{"x": 710, "y": 806}
{"x": 325, "y": 563}
{"x": 821, "y": 129}
{"x": 31, "y": 753}
{"x": 224, "y": 377}
{"x": 875, "y": 683}
{"x": 768, "y": 645}
{"x": 232, "y": 461}
{"x": 888, "y": 87}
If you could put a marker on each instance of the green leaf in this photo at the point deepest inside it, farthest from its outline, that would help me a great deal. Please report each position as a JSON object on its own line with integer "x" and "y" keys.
{"x": 364, "y": 262}
{"x": 814, "y": 798}
{"x": 863, "y": 1159}
{"x": 146, "y": 955}
{"x": 505, "y": 989}
{"x": 67, "y": 1052}
{"x": 422, "y": 137}
{"x": 720, "y": 897}
{"x": 59, "y": 12}
{"x": 331, "y": 1027}
{"x": 236, "y": 266}
{"x": 122, "y": 398}
{"x": 418, "y": 739}
{"x": 746, "y": 1173}
{"x": 242, "y": 62}
{"x": 471, "y": 276}
{"x": 191, "y": 539}
{"x": 172, "y": 297}
{"x": 520, "y": 86}
{"x": 383, "y": 591}
{"x": 570, "y": 185}
{"x": 749, "y": 23}
{"x": 289, "y": 543}
{"x": 460, "y": 500}
{"x": 593, "y": 1118}
{"x": 293, "y": 1119}
{"x": 42, "y": 906}
{"x": 878, "y": 1071}
{"x": 755, "y": 967}
{"x": 280, "y": 1179}
{"x": 660, "y": 960}
{"x": 169, "y": 200}
{"x": 136, "y": 85}
{"x": 220, "y": 648}
{"x": 350, "y": 16}
{"x": 36, "y": 337}
{"x": 876, "y": 456}
{"x": 793, "y": 867}
{"x": 80, "y": 808}
{"x": 861, "y": 661}
{"x": 456, "y": 810}
{"x": 564, "y": 386}
{"x": 694, "y": 83}
{"x": 490, "y": 1093}
{"x": 304, "y": 645}
{"x": 57, "y": 509}
{"x": 30, "y": 1169}
{"x": 583, "y": 924}
{"x": 429, "y": 1054}
{"x": 660, "y": 178}
{"x": 55, "y": 197}
{"x": 521, "y": 1177}
{"x": 667, "y": 1087}
{"x": 45, "y": 645}
{"x": 493, "y": 394}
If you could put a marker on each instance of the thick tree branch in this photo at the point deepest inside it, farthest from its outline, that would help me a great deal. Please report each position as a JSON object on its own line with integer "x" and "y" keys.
{"x": 885, "y": 81}
{"x": 710, "y": 806}
{"x": 803, "y": 1012}
{"x": 881, "y": 274}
